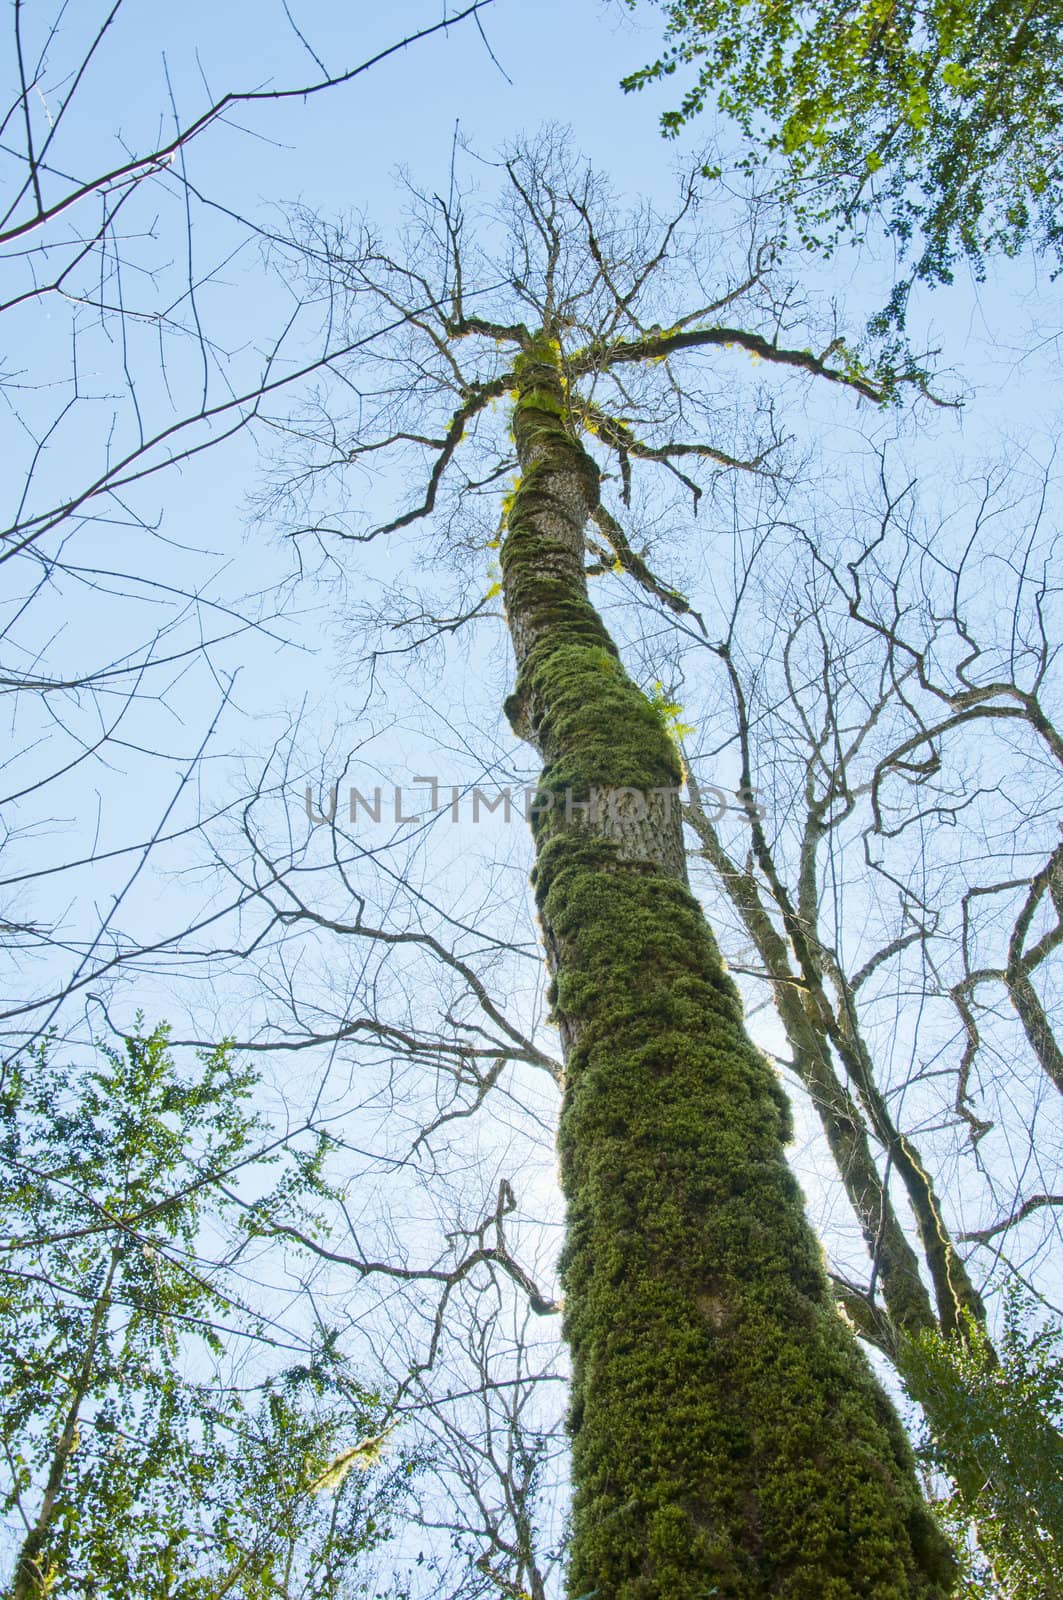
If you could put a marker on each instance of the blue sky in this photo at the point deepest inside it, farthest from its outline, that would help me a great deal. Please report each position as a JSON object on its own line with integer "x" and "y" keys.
{"x": 195, "y": 530}
{"x": 335, "y": 154}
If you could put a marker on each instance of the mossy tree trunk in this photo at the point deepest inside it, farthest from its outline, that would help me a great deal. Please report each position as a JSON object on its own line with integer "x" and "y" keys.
{"x": 728, "y": 1437}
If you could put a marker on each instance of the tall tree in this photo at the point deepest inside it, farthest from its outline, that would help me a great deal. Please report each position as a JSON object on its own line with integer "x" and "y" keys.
{"x": 727, "y": 1435}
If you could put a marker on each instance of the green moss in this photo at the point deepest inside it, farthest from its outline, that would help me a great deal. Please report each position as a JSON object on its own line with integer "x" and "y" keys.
{"x": 727, "y": 1433}
{"x": 728, "y": 1437}
{"x": 592, "y": 724}
{"x": 543, "y": 400}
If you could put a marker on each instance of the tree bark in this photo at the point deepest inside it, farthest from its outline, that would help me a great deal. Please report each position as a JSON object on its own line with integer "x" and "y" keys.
{"x": 728, "y": 1437}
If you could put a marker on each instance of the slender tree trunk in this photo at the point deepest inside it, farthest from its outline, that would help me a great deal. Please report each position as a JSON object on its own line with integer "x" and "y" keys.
{"x": 1034, "y": 1019}
{"x": 728, "y": 1438}
{"x": 31, "y": 1577}
{"x": 903, "y": 1291}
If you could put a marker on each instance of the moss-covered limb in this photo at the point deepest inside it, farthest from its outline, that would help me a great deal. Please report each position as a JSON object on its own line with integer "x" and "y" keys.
{"x": 1036, "y": 1025}
{"x": 622, "y": 438}
{"x": 866, "y": 1315}
{"x": 462, "y": 326}
{"x": 656, "y": 346}
{"x": 1016, "y": 977}
{"x": 473, "y": 402}
{"x": 636, "y": 568}
{"x": 728, "y": 1437}
{"x": 955, "y": 1296}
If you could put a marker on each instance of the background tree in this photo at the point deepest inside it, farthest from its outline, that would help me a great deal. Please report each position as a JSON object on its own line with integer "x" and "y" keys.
{"x": 893, "y": 725}
{"x": 997, "y": 1419}
{"x": 141, "y": 337}
{"x": 151, "y": 1441}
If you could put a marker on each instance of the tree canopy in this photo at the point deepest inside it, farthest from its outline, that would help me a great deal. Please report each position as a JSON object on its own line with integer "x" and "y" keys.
{"x": 943, "y": 118}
